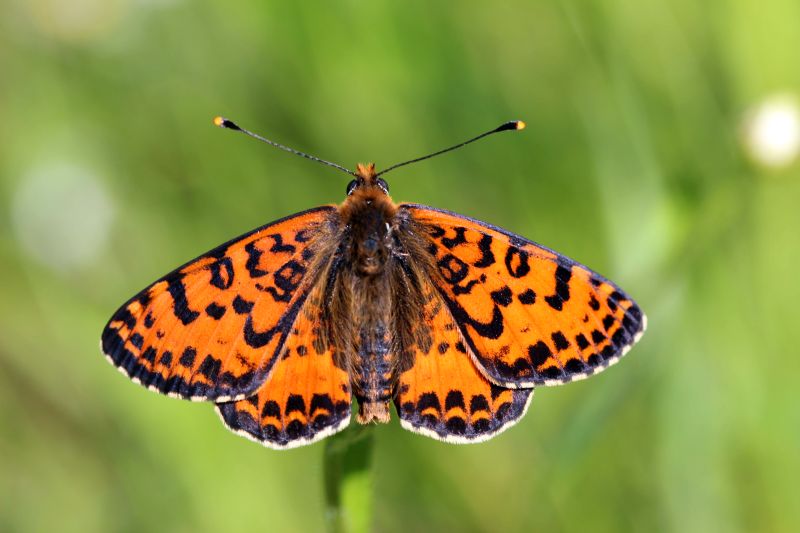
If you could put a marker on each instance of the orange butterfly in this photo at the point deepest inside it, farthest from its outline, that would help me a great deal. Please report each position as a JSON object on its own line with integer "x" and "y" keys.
{"x": 454, "y": 320}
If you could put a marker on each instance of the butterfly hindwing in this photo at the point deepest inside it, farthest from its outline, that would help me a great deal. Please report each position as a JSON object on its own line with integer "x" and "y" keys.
{"x": 530, "y": 315}
{"x": 306, "y": 397}
{"x": 210, "y": 330}
{"x": 443, "y": 394}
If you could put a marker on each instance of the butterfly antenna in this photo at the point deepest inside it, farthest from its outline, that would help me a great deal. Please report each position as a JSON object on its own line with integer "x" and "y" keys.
{"x": 511, "y": 125}
{"x": 225, "y": 123}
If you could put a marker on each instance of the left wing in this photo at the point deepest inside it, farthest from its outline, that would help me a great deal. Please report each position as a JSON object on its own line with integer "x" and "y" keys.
{"x": 211, "y": 329}
{"x": 530, "y": 315}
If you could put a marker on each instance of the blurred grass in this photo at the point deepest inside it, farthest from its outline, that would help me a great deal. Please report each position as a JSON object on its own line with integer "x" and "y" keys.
{"x": 631, "y": 163}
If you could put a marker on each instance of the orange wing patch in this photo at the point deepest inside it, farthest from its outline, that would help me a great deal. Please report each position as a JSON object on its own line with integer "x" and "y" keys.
{"x": 444, "y": 395}
{"x": 304, "y": 399}
{"x": 210, "y": 329}
{"x": 530, "y": 315}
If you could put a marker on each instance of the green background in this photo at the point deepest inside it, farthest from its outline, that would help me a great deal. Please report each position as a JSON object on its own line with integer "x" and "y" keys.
{"x": 111, "y": 174}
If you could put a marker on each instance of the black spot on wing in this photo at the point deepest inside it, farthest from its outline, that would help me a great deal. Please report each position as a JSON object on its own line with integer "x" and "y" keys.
{"x": 271, "y": 409}
{"x": 575, "y": 366}
{"x": 429, "y": 400}
{"x": 517, "y": 262}
{"x": 149, "y": 354}
{"x": 215, "y": 311}
{"x": 435, "y": 231}
{"x": 242, "y": 306}
{"x": 456, "y": 425}
{"x": 583, "y": 343}
{"x": 187, "y": 357}
{"x": 453, "y": 269}
{"x": 454, "y": 399}
{"x": 125, "y": 316}
{"x": 279, "y": 246}
{"x": 608, "y": 352}
{"x": 527, "y": 297}
{"x": 302, "y": 236}
{"x": 210, "y": 368}
{"x": 552, "y": 372}
{"x": 321, "y": 401}
{"x": 137, "y": 340}
{"x": 166, "y": 358}
{"x": 459, "y": 238}
{"x": 222, "y": 273}
{"x": 487, "y": 256}
{"x": 478, "y": 403}
{"x": 562, "y": 277}
{"x": 287, "y": 279}
{"x": 617, "y": 296}
{"x": 502, "y": 296}
{"x": 253, "y": 259}
{"x": 295, "y": 402}
{"x": 296, "y": 430}
{"x": 559, "y": 341}
{"x": 539, "y": 353}
{"x": 180, "y": 305}
{"x": 620, "y": 338}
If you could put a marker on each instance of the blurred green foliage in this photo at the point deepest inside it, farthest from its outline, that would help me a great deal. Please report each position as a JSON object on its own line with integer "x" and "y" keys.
{"x": 111, "y": 174}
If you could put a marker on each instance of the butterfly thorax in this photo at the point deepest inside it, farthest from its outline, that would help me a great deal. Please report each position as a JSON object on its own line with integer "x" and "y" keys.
{"x": 368, "y": 215}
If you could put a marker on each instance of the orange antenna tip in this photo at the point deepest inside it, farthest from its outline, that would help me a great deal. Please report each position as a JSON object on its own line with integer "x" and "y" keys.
{"x": 520, "y": 125}
{"x": 223, "y": 122}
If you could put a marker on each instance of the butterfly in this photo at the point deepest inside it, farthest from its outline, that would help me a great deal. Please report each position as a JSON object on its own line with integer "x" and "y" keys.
{"x": 453, "y": 320}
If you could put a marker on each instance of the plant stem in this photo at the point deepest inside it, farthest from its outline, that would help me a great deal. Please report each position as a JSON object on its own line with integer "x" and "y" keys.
{"x": 348, "y": 480}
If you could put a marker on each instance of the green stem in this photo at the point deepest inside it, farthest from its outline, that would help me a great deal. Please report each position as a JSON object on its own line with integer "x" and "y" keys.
{"x": 348, "y": 480}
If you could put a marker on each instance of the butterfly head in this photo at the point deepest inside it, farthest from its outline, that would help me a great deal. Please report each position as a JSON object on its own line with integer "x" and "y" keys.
{"x": 367, "y": 181}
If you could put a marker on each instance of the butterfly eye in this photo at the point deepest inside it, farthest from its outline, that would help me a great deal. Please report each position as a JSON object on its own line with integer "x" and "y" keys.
{"x": 383, "y": 185}
{"x": 351, "y": 187}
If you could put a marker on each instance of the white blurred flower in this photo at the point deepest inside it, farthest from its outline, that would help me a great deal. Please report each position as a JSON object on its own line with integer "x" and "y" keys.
{"x": 771, "y": 132}
{"x": 61, "y": 215}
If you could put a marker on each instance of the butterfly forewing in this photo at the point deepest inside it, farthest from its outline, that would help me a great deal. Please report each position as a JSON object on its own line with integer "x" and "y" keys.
{"x": 529, "y": 315}
{"x": 211, "y": 329}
